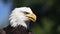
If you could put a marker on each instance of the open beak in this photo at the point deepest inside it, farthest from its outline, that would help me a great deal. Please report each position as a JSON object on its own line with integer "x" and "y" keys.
{"x": 31, "y": 17}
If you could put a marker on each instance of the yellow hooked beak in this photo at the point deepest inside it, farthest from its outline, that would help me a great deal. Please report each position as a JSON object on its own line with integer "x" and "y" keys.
{"x": 32, "y": 17}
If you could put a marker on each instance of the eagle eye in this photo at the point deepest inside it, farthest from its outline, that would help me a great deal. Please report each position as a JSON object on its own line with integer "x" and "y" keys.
{"x": 26, "y": 12}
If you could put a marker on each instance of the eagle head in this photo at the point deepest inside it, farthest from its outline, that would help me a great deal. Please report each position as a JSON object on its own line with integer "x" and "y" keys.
{"x": 20, "y": 15}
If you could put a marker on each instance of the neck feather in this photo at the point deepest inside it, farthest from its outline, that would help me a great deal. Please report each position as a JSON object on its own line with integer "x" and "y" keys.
{"x": 17, "y": 18}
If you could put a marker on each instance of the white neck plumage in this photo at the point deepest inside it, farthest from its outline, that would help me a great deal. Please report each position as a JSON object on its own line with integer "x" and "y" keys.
{"x": 17, "y": 18}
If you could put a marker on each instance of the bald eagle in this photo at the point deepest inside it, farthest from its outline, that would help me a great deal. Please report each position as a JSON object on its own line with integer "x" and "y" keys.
{"x": 19, "y": 21}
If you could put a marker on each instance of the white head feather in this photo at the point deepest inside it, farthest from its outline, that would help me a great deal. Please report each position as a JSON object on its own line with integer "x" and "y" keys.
{"x": 17, "y": 16}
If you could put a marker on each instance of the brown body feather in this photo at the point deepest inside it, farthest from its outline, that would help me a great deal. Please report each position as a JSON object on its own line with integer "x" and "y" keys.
{"x": 2, "y": 31}
{"x": 17, "y": 30}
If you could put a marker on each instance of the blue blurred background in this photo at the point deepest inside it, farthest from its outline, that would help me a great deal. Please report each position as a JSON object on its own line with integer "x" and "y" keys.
{"x": 5, "y": 8}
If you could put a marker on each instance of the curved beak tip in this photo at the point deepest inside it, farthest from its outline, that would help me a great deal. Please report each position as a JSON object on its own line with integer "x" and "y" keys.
{"x": 32, "y": 17}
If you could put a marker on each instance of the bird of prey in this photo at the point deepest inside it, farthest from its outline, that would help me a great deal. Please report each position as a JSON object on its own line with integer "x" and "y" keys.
{"x": 19, "y": 21}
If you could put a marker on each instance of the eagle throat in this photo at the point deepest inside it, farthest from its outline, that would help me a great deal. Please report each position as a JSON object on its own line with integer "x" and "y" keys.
{"x": 17, "y": 17}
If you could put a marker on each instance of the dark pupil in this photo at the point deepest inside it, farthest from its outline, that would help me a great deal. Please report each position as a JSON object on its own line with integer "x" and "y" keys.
{"x": 26, "y": 13}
